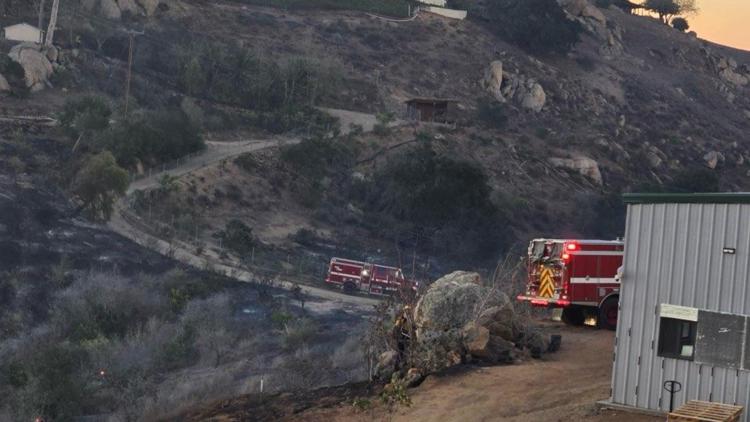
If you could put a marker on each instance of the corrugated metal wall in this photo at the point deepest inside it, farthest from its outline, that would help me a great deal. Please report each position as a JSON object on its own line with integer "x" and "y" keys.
{"x": 673, "y": 254}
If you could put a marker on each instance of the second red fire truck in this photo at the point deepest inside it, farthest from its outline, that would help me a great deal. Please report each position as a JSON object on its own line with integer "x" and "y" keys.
{"x": 366, "y": 277}
{"x": 579, "y": 276}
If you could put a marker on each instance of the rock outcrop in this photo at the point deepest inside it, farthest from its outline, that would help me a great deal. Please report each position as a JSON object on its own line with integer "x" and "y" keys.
{"x": 713, "y": 159}
{"x": 459, "y": 319}
{"x": 110, "y": 9}
{"x": 493, "y": 80}
{"x": 594, "y": 21}
{"x": 582, "y": 165}
{"x": 533, "y": 96}
{"x": 506, "y": 86}
{"x": 387, "y": 365}
{"x": 36, "y": 67}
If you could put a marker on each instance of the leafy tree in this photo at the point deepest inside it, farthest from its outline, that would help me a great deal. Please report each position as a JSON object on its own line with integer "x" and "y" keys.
{"x": 439, "y": 195}
{"x": 538, "y": 26}
{"x": 152, "y": 137}
{"x": 194, "y": 77}
{"x": 99, "y": 183}
{"x": 680, "y": 24}
{"x": 85, "y": 115}
{"x": 666, "y": 9}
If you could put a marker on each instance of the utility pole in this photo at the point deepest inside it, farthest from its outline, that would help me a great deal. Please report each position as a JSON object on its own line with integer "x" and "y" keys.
{"x": 131, "y": 38}
{"x": 52, "y": 23}
{"x": 41, "y": 22}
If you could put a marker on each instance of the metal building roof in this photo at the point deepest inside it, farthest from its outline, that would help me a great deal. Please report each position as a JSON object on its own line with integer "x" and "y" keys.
{"x": 687, "y": 198}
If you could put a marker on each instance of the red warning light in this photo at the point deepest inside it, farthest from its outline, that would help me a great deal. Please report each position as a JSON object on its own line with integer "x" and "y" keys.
{"x": 572, "y": 246}
{"x": 565, "y": 256}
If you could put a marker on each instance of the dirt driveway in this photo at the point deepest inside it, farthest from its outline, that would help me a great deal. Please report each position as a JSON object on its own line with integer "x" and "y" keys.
{"x": 562, "y": 387}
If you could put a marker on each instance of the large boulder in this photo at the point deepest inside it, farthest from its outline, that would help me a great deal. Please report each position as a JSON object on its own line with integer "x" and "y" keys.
{"x": 533, "y": 96}
{"x": 507, "y": 86}
{"x": 585, "y": 166}
{"x": 443, "y": 312}
{"x": 713, "y": 159}
{"x": 729, "y": 75}
{"x": 36, "y": 67}
{"x": 501, "y": 322}
{"x": 4, "y": 85}
{"x": 493, "y": 80}
{"x": 387, "y": 365}
{"x": 479, "y": 343}
{"x": 454, "y": 300}
{"x": 109, "y": 9}
{"x": 583, "y": 9}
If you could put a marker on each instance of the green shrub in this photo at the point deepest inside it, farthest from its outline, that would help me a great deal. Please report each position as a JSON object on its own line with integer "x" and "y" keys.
{"x": 85, "y": 114}
{"x": 440, "y": 195}
{"x": 680, "y": 24}
{"x": 695, "y": 180}
{"x": 152, "y": 137}
{"x": 313, "y": 160}
{"x": 238, "y": 237}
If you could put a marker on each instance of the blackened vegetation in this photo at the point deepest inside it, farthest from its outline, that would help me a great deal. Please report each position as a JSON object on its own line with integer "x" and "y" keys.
{"x": 538, "y": 26}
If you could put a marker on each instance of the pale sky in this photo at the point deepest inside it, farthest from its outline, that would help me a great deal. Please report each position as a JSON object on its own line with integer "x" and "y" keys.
{"x": 723, "y": 21}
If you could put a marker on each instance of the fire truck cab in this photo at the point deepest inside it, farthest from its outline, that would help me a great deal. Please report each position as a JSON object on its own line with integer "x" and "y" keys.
{"x": 579, "y": 276}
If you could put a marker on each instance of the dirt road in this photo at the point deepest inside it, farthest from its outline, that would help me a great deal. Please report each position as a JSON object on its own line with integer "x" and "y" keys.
{"x": 215, "y": 152}
{"x": 130, "y": 226}
{"x": 562, "y": 387}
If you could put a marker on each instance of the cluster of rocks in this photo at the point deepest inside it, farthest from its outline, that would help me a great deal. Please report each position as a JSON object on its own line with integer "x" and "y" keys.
{"x": 459, "y": 320}
{"x": 37, "y": 63}
{"x": 730, "y": 71}
{"x": 507, "y": 86}
{"x": 595, "y": 23}
{"x": 114, "y": 9}
{"x": 585, "y": 166}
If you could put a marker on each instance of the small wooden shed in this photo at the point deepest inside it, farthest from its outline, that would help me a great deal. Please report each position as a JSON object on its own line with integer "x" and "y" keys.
{"x": 436, "y": 110}
{"x": 23, "y": 32}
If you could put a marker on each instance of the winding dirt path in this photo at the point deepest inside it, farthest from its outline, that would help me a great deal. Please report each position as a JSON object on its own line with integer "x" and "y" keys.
{"x": 132, "y": 227}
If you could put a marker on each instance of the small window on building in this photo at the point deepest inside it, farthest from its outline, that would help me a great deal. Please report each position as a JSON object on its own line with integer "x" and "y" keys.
{"x": 677, "y": 338}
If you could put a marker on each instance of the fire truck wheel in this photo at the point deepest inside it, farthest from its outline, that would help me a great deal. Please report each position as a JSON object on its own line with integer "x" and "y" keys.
{"x": 349, "y": 288}
{"x": 573, "y": 316}
{"x": 608, "y": 313}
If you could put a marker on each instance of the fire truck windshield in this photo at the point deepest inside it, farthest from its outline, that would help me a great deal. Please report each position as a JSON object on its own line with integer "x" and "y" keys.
{"x": 555, "y": 250}
{"x": 537, "y": 250}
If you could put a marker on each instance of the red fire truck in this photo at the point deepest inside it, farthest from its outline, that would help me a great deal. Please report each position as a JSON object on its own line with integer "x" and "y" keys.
{"x": 579, "y": 276}
{"x": 366, "y": 277}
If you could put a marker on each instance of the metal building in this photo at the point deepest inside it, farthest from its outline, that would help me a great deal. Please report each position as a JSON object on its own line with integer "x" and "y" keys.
{"x": 684, "y": 301}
